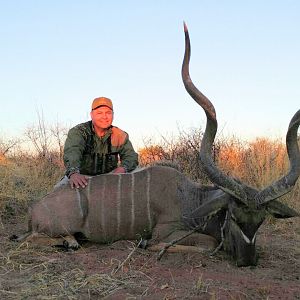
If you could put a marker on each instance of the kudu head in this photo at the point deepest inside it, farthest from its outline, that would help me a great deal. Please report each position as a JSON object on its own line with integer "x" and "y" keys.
{"x": 246, "y": 207}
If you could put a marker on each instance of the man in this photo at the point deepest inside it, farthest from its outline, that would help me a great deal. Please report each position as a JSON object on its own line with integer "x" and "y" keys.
{"x": 96, "y": 147}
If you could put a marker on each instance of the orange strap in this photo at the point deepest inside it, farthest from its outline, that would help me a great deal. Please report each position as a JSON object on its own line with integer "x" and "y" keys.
{"x": 118, "y": 137}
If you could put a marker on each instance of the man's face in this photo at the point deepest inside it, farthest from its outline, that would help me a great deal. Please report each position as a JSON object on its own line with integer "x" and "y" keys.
{"x": 102, "y": 117}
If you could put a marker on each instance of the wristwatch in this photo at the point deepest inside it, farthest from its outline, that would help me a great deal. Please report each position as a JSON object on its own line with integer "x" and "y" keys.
{"x": 71, "y": 171}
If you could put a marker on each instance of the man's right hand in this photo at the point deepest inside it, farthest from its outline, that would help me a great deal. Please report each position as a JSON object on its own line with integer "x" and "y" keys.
{"x": 78, "y": 180}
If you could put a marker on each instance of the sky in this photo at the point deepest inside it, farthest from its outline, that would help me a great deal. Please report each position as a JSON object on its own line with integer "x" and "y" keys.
{"x": 57, "y": 56}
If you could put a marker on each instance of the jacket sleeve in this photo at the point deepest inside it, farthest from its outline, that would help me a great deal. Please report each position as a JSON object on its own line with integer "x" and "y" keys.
{"x": 73, "y": 151}
{"x": 129, "y": 158}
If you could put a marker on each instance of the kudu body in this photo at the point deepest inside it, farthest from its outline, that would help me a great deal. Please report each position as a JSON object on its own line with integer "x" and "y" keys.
{"x": 147, "y": 203}
{"x": 162, "y": 204}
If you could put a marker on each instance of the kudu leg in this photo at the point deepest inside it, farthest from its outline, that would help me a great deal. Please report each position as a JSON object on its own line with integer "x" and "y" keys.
{"x": 176, "y": 248}
{"x": 182, "y": 240}
{"x": 44, "y": 240}
{"x": 195, "y": 239}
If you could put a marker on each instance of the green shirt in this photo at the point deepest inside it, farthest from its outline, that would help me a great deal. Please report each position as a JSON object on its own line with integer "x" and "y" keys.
{"x": 87, "y": 153}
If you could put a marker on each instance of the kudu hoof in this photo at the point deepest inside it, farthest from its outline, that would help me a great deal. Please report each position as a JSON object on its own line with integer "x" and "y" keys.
{"x": 143, "y": 244}
{"x": 70, "y": 245}
{"x": 13, "y": 238}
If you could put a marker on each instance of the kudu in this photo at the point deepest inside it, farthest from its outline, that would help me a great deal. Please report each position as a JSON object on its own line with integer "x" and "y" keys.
{"x": 245, "y": 207}
{"x": 162, "y": 204}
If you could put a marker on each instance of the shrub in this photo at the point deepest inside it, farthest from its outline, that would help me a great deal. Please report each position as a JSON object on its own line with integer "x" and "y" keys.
{"x": 25, "y": 179}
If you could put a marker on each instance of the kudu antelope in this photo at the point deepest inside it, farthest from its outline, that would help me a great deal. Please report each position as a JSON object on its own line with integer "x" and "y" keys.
{"x": 245, "y": 208}
{"x": 162, "y": 204}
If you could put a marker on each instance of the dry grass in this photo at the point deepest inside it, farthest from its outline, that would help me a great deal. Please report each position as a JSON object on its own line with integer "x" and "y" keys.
{"x": 256, "y": 163}
{"x": 43, "y": 276}
{"x": 25, "y": 179}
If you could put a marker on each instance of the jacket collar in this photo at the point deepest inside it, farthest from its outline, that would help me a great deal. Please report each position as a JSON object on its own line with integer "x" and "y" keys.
{"x": 107, "y": 134}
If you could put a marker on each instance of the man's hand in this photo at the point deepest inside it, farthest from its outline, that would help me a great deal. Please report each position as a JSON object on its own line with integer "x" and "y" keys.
{"x": 78, "y": 180}
{"x": 119, "y": 170}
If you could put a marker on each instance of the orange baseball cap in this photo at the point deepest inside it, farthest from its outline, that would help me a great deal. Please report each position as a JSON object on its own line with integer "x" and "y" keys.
{"x": 102, "y": 101}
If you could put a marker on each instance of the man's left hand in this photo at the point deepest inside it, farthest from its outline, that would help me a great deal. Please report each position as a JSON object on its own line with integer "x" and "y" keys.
{"x": 119, "y": 170}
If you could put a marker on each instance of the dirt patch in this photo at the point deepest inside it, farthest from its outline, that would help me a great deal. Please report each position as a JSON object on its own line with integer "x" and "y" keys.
{"x": 104, "y": 271}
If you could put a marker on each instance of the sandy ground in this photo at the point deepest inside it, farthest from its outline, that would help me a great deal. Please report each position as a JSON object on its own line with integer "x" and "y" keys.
{"x": 107, "y": 272}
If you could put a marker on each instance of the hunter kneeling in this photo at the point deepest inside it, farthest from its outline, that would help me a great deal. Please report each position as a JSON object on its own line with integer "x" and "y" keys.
{"x": 97, "y": 147}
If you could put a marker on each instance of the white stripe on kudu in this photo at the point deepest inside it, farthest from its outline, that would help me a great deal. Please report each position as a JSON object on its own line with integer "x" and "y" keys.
{"x": 79, "y": 202}
{"x": 132, "y": 204}
{"x": 102, "y": 198}
{"x": 148, "y": 199}
{"x": 89, "y": 189}
{"x": 87, "y": 224}
{"x": 119, "y": 204}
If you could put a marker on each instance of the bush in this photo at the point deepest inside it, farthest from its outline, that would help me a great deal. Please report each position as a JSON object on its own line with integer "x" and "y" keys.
{"x": 25, "y": 179}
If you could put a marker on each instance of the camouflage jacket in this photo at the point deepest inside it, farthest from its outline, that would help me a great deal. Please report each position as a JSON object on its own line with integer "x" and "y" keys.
{"x": 88, "y": 154}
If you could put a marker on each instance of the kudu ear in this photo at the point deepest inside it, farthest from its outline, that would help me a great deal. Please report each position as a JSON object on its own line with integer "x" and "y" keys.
{"x": 211, "y": 206}
{"x": 280, "y": 210}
